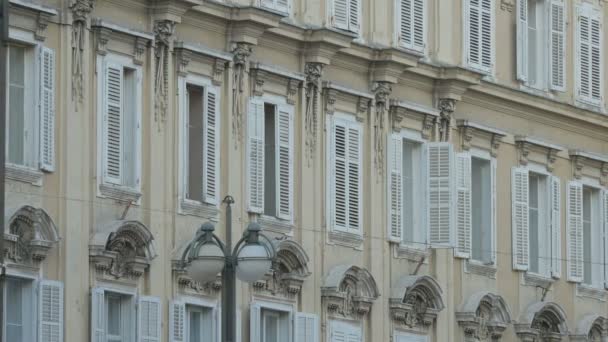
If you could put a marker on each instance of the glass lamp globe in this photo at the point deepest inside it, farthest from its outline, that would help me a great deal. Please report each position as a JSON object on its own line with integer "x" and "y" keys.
{"x": 209, "y": 262}
{"x": 253, "y": 262}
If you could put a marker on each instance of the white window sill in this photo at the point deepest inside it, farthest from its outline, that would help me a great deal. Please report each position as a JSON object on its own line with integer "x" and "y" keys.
{"x": 24, "y": 174}
{"x": 590, "y": 106}
{"x": 588, "y": 291}
{"x": 119, "y": 193}
{"x": 412, "y": 253}
{"x": 276, "y": 225}
{"x": 544, "y": 92}
{"x": 195, "y": 208}
{"x": 347, "y": 239}
{"x": 536, "y": 280}
{"x": 274, "y": 11}
{"x": 479, "y": 268}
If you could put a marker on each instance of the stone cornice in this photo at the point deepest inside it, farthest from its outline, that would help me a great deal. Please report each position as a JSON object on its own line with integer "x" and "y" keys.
{"x": 580, "y": 159}
{"x": 173, "y": 10}
{"x": 469, "y": 130}
{"x": 34, "y": 7}
{"x": 322, "y": 44}
{"x": 525, "y": 145}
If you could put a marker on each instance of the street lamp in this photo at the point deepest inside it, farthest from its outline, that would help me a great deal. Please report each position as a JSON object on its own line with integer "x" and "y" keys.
{"x": 250, "y": 260}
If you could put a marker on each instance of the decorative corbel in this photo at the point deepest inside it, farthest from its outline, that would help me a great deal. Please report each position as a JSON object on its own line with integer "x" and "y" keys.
{"x": 182, "y": 59}
{"x": 577, "y": 165}
{"x": 292, "y": 90}
{"x": 218, "y": 71}
{"x": 80, "y": 11}
{"x": 258, "y": 77}
{"x": 102, "y": 36}
{"x": 523, "y": 150}
{"x": 396, "y": 116}
{"x": 241, "y": 53}
{"x": 314, "y": 73}
{"x": 428, "y": 123}
{"x": 139, "y": 49}
{"x": 42, "y": 22}
{"x": 604, "y": 174}
{"x": 495, "y": 144}
{"x": 446, "y": 108}
{"x": 163, "y": 34}
{"x": 362, "y": 108}
{"x": 381, "y": 91}
{"x": 330, "y": 100}
{"x": 507, "y": 5}
{"x": 551, "y": 158}
{"x": 466, "y": 135}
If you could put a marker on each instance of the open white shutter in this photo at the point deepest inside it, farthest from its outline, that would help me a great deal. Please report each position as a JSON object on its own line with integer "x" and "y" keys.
{"x": 50, "y": 311}
{"x": 556, "y": 232}
{"x": 340, "y": 15}
{"x": 494, "y": 218}
{"x": 522, "y": 40}
{"x": 355, "y": 179}
{"x": 255, "y": 321}
{"x": 255, "y": 155}
{"x": 589, "y": 52}
{"x": 307, "y": 327}
{"x": 463, "y": 205}
{"x": 284, "y": 164}
{"x": 520, "y": 218}
{"x": 113, "y": 124}
{"x": 574, "y": 219}
{"x": 98, "y": 319}
{"x": 479, "y": 34}
{"x": 211, "y": 155}
{"x": 558, "y": 45}
{"x": 406, "y": 34}
{"x": 440, "y": 216}
{"x": 339, "y": 189}
{"x": 149, "y": 319}
{"x": 605, "y": 222}
{"x": 47, "y": 109}
{"x": 354, "y": 15}
{"x": 177, "y": 321}
{"x": 395, "y": 187}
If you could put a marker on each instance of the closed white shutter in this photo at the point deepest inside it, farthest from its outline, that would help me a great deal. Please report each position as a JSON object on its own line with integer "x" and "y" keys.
{"x": 556, "y": 232}
{"x": 149, "y": 319}
{"x": 605, "y": 222}
{"x": 344, "y": 332}
{"x": 354, "y": 20}
{"x": 340, "y": 15}
{"x": 338, "y": 190}
{"x": 355, "y": 196}
{"x": 177, "y": 321}
{"x": 439, "y": 190}
{"x": 406, "y": 33}
{"x": 522, "y": 40}
{"x": 395, "y": 187}
{"x": 307, "y": 327}
{"x": 589, "y": 50}
{"x": 284, "y": 158}
{"x": 113, "y": 125}
{"x": 255, "y": 155}
{"x": 520, "y": 218}
{"x": 50, "y": 311}
{"x": 463, "y": 207}
{"x": 255, "y": 321}
{"x": 211, "y": 156}
{"x": 574, "y": 219}
{"x": 47, "y": 110}
{"x": 558, "y": 45}
{"x": 480, "y": 34}
{"x": 494, "y": 218}
{"x": 98, "y": 319}
{"x": 412, "y": 23}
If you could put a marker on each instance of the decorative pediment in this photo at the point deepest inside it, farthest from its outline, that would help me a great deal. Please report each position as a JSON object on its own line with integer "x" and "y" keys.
{"x": 186, "y": 53}
{"x": 35, "y": 17}
{"x": 415, "y": 302}
{"x": 349, "y": 291}
{"x": 288, "y": 82}
{"x": 546, "y": 320}
{"x": 591, "y": 328}
{"x": 105, "y": 31}
{"x": 539, "y": 151}
{"x": 122, "y": 249}
{"x": 474, "y": 134}
{"x": 358, "y": 101}
{"x": 30, "y": 235}
{"x": 425, "y": 117}
{"x": 484, "y": 316}
{"x": 589, "y": 164}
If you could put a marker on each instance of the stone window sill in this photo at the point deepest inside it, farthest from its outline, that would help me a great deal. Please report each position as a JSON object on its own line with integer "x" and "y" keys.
{"x": 119, "y": 193}
{"x": 537, "y": 280}
{"x": 481, "y": 269}
{"x": 346, "y": 239}
{"x": 24, "y": 174}
{"x": 195, "y": 208}
{"x": 276, "y": 225}
{"x": 403, "y": 251}
{"x": 588, "y": 291}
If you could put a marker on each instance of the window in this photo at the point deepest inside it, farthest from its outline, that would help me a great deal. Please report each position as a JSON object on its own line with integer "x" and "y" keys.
{"x": 407, "y": 192}
{"x": 538, "y": 216}
{"x": 277, "y": 5}
{"x": 120, "y": 110}
{"x": 541, "y": 43}
{"x": 345, "y": 173}
{"x": 409, "y": 337}
{"x": 30, "y": 107}
{"x": 276, "y": 322}
{"x": 270, "y": 158}
{"x": 274, "y": 326}
{"x": 200, "y": 324}
{"x": 201, "y": 136}
{"x": 193, "y": 320}
{"x": 341, "y": 331}
{"x": 479, "y": 37}
{"x": 347, "y": 15}
{"x": 589, "y": 69}
{"x": 19, "y": 310}
{"x": 593, "y": 247}
{"x": 120, "y": 316}
{"x": 481, "y": 195}
{"x": 411, "y": 24}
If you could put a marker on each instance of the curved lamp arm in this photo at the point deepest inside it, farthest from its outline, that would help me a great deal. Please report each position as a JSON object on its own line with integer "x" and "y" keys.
{"x": 203, "y": 236}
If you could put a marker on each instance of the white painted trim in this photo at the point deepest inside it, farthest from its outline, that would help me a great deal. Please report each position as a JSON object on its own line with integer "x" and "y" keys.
{"x": 487, "y": 129}
{"x": 347, "y": 90}
{"x": 414, "y": 106}
{"x": 22, "y": 36}
{"x": 35, "y": 7}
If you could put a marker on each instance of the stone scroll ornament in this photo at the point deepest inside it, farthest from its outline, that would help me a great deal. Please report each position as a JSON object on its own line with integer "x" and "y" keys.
{"x": 241, "y": 53}
{"x": 313, "y": 72}
{"x": 80, "y": 12}
{"x": 446, "y": 108}
{"x": 382, "y": 90}
{"x": 163, "y": 32}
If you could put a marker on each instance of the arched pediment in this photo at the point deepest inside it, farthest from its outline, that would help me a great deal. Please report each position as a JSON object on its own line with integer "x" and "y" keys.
{"x": 591, "y": 328}
{"x": 542, "y": 319}
{"x": 31, "y": 234}
{"x": 122, "y": 248}
{"x": 484, "y": 315}
{"x": 415, "y": 301}
{"x": 349, "y": 290}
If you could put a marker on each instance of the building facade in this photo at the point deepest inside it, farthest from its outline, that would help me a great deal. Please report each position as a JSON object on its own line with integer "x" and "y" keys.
{"x": 428, "y": 170}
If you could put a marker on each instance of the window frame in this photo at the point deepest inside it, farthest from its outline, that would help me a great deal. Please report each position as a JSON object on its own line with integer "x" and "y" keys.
{"x": 545, "y": 62}
{"x": 288, "y": 309}
{"x": 397, "y": 29}
{"x": 541, "y": 171}
{"x": 352, "y": 325}
{"x": 29, "y": 326}
{"x": 594, "y": 184}
{"x": 205, "y": 304}
{"x": 333, "y": 24}
{"x": 486, "y": 156}
{"x": 590, "y": 11}
{"x": 466, "y": 30}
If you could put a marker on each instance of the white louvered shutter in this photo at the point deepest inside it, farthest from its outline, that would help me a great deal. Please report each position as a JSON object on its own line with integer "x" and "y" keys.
{"x": 177, "y": 321}
{"x": 522, "y": 40}
{"x": 574, "y": 219}
{"x": 50, "y": 311}
{"x": 354, "y": 15}
{"x": 440, "y": 216}
{"x": 340, "y": 15}
{"x": 558, "y": 45}
{"x": 282, "y": 5}
{"x": 556, "y": 231}
{"x": 589, "y": 55}
{"x": 307, "y": 327}
{"x": 494, "y": 218}
{"x": 354, "y": 335}
{"x": 395, "y": 187}
{"x": 98, "y": 319}
{"x": 605, "y": 222}
{"x": 211, "y": 155}
{"x": 480, "y": 34}
{"x": 47, "y": 109}
{"x": 463, "y": 205}
{"x": 284, "y": 158}
{"x": 355, "y": 167}
{"x": 149, "y": 319}
{"x": 520, "y": 218}
{"x": 412, "y": 23}
{"x": 255, "y": 321}
{"x": 239, "y": 325}
{"x": 113, "y": 125}
{"x": 255, "y": 155}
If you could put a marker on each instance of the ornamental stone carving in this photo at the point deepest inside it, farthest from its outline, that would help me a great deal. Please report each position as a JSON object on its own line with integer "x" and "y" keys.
{"x": 381, "y": 91}
{"x": 314, "y": 73}
{"x": 241, "y": 53}
{"x": 163, "y": 35}
{"x": 446, "y": 108}
{"x": 591, "y": 328}
{"x": 484, "y": 317}
{"x": 80, "y": 12}
{"x": 542, "y": 321}
{"x": 415, "y": 302}
{"x": 349, "y": 291}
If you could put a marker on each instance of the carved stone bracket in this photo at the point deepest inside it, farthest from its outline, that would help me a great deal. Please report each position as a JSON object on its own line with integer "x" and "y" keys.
{"x": 102, "y": 37}
{"x": 581, "y": 159}
{"x": 427, "y": 116}
{"x": 182, "y": 60}
{"x": 163, "y": 36}
{"x": 331, "y": 96}
{"x": 363, "y": 104}
{"x": 469, "y": 130}
{"x": 80, "y": 12}
{"x": 186, "y": 284}
{"x": 241, "y": 52}
{"x": 42, "y": 22}
{"x": 314, "y": 74}
{"x": 349, "y": 292}
{"x": 507, "y": 5}
{"x": 446, "y": 108}
{"x": 139, "y": 49}
{"x": 382, "y": 91}
{"x": 292, "y": 90}
{"x": 258, "y": 78}
{"x": 526, "y": 145}
{"x": 218, "y": 71}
